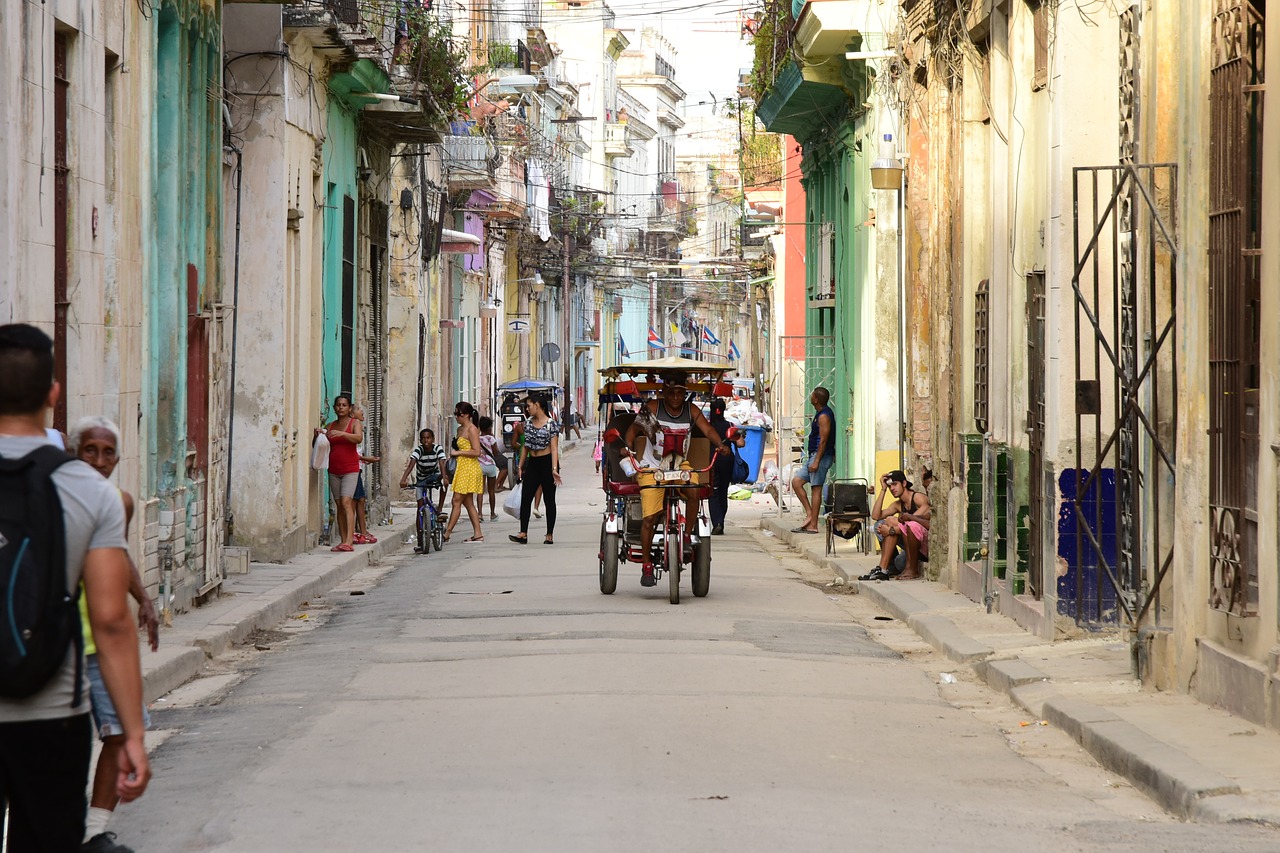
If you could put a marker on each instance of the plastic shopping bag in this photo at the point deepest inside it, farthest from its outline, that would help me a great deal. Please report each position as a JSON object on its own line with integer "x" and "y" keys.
{"x": 511, "y": 506}
{"x": 320, "y": 453}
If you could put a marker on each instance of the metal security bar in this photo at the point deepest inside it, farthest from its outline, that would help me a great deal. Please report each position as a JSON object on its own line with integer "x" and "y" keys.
{"x": 1235, "y": 257}
{"x": 1120, "y": 497}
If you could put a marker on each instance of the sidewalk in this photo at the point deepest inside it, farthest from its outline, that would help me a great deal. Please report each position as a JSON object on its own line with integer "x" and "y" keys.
{"x": 1198, "y": 762}
{"x": 256, "y": 601}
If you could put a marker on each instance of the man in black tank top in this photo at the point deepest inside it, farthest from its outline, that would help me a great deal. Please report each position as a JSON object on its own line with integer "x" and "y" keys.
{"x": 675, "y": 414}
{"x": 905, "y": 523}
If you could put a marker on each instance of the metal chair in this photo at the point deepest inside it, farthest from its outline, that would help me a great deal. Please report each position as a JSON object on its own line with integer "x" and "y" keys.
{"x": 848, "y": 513}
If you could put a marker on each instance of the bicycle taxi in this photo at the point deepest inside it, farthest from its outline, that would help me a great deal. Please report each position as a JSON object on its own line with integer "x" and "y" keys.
{"x": 678, "y": 542}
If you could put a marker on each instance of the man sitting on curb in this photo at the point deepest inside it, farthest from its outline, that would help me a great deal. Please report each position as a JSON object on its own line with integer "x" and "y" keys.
{"x": 904, "y": 522}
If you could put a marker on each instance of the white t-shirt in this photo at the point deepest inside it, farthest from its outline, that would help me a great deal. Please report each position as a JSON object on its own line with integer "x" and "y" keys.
{"x": 93, "y": 517}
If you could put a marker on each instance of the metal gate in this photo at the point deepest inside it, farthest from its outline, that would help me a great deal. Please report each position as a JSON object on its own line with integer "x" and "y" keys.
{"x": 1036, "y": 487}
{"x": 1120, "y": 494}
{"x": 807, "y": 362}
{"x": 1235, "y": 259}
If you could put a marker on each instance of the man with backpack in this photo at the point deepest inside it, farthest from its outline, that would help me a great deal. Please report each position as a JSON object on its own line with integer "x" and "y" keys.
{"x": 60, "y": 523}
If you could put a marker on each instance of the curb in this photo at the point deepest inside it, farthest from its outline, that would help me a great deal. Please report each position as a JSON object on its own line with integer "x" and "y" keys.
{"x": 174, "y": 666}
{"x": 1167, "y": 775}
{"x": 1174, "y": 780}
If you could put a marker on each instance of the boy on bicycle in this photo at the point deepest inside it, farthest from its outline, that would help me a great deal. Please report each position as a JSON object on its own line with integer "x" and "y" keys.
{"x": 432, "y": 464}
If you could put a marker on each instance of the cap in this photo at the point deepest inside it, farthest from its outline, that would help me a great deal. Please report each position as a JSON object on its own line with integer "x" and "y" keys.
{"x": 898, "y": 477}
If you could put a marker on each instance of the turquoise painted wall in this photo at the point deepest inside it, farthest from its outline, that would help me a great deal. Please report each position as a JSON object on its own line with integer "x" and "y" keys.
{"x": 185, "y": 225}
{"x": 340, "y": 162}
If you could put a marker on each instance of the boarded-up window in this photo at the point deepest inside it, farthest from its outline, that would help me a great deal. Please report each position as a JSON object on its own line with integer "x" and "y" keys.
{"x": 1040, "y": 19}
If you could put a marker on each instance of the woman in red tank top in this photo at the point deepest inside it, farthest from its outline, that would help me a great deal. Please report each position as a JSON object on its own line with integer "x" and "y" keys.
{"x": 344, "y": 434}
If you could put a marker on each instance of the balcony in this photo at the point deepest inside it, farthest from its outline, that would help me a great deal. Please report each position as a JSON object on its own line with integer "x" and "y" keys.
{"x": 511, "y": 201}
{"x": 468, "y": 162}
{"x": 617, "y": 140}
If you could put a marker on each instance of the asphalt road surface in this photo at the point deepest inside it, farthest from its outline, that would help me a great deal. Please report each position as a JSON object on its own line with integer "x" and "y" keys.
{"x": 489, "y": 698}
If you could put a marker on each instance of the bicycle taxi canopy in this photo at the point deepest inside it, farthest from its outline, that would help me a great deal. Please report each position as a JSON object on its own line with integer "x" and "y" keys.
{"x": 643, "y": 377}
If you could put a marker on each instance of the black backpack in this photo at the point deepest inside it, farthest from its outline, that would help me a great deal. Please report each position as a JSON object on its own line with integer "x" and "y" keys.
{"x": 38, "y": 617}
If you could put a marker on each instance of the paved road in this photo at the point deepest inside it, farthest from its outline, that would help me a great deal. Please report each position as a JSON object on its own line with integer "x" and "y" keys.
{"x": 490, "y": 699}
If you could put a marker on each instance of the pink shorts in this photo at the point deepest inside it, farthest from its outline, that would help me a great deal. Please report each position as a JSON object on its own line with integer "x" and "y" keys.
{"x": 919, "y": 532}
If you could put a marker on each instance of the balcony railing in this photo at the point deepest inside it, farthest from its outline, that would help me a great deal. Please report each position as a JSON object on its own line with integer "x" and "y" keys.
{"x": 468, "y": 161}
{"x": 510, "y": 193}
{"x": 617, "y": 140}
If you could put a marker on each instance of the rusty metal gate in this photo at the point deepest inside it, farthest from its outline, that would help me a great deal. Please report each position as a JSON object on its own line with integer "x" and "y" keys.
{"x": 807, "y": 362}
{"x": 1235, "y": 258}
{"x": 1119, "y": 496}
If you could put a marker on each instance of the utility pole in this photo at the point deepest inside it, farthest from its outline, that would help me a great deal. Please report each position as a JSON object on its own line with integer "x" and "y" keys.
{"x": 566, "y": 352}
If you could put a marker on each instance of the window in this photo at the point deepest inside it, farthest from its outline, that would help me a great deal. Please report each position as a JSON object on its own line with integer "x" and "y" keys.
{"x": 981, "y": 353}
{"x": 1040, "y": 24}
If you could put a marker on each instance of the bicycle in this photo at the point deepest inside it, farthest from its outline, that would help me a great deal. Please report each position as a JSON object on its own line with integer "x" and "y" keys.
{"x": 428, "y": 526}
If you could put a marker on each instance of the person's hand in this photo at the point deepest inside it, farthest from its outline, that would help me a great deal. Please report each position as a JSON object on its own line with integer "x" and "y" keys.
{"x": 404, "y": 484}
{"x": 374, "y": 458}
{"x": 813, "y": 466}
{"x": 556, "y": 478}
{"x": 135, "y": 770}
{"x": 147, "y": 618}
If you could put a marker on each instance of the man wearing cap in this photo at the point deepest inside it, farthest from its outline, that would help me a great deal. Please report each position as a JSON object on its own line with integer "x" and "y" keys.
{"x": 905, "y": 523}
{"x": 820, "y": 456}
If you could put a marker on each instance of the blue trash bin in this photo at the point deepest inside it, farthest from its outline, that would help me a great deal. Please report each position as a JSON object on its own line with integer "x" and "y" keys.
{"x": 753, "y": 452}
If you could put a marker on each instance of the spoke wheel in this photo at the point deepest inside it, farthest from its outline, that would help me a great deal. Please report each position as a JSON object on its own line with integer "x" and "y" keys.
{"x": 437, "y": 533}
{"x": 423, "y": 520}
{"x": 673, "y": 542}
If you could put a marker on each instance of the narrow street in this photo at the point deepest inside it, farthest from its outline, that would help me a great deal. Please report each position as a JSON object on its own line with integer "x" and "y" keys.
{"x": 489, "y": 698}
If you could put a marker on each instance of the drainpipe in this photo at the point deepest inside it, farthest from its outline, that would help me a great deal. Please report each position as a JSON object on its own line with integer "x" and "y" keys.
{"x": 902, "y": 323}
{"x": 229, "y": 517}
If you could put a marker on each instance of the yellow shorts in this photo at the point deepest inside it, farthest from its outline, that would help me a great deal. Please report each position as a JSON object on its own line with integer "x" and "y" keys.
{"x": 651, "y": 499}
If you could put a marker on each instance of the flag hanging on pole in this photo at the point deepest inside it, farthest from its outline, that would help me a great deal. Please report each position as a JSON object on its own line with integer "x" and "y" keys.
{"x": 734, "y": 354}
{"x": 677, "y": 338}
{"x": 622, "y": 348}
{"x": 708, "y": 338}
{"x": 654, "y": 340}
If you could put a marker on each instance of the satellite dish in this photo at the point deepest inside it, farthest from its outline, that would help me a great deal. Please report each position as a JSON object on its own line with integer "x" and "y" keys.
{"x": 550, "y": 352}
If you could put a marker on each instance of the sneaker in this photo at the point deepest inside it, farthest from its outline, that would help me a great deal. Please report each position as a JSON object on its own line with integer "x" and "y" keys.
{"x": 104, "y": 842}
{"x": 646, "y": 577}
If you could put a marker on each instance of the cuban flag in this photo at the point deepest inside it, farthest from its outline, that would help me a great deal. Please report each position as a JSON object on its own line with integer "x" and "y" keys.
{"x": 708, "y": 338}
{"x": 654, "y": 340}
{"x": 622, "y": 348}
{"x": 734, "y": 353}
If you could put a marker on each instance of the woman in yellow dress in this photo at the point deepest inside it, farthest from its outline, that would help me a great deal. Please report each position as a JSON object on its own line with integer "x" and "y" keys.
{"x": 468, "y": 482}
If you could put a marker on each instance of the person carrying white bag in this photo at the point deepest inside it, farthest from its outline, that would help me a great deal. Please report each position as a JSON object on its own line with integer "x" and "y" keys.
{"x": 511, "y": 506}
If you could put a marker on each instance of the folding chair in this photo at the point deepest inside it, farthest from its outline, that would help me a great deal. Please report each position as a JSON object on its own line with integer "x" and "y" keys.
{"x": 848, "y": 513}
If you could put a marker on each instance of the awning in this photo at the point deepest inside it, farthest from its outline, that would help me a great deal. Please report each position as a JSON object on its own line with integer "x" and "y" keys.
{"x": 458, "y": 242}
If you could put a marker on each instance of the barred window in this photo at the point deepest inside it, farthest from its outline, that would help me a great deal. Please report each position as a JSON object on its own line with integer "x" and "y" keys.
{"x": 981, "y": 354}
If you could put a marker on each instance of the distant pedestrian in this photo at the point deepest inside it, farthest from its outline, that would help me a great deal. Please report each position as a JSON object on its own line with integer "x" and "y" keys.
{"x": 722, "y": 472}
{"x": 345, "y": 433}
{"x": 539, "y": 467}
{"x": 362, "y": 535}
{"x": 45, "y": 731}
{"x": 96, "y": 442}
{"x": 468, "y": 481}
{"x": 820, "y": 456}
{"x": 495, "y": 476}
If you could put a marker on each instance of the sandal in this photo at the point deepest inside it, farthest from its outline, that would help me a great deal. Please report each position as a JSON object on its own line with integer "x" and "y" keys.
{"x": 474, "y": 539}
{"x": 547, "y": 540}
{"x": 342, "y": 547}
{"x": 876, "y": 575}
{"x": 519, "y": 540}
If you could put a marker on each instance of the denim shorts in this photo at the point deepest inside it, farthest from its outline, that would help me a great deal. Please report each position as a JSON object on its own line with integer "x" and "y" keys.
{"x": 815, "y": 478}
{"x": 104, "y": 713}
